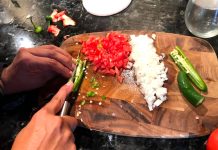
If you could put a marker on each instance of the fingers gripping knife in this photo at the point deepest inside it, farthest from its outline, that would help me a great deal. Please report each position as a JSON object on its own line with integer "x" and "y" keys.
{"x": 77, "y": 78}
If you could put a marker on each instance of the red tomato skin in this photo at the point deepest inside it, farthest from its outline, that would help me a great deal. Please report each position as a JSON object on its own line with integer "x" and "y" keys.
{"x": 54, "y": 30}
{"x": 212, "y": 142}
{"x": 109, "y": 54}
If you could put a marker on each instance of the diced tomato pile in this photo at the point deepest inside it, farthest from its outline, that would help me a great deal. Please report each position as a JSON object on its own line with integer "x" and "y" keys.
{"x": 109, "y": 54}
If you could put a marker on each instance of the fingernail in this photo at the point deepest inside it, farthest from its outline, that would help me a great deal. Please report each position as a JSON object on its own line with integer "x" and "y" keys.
{"x": 73, "y": 66}
{"x": 71, "y": 73}
{"x": 69, "y": 85}
{"x": 74, "y": 60}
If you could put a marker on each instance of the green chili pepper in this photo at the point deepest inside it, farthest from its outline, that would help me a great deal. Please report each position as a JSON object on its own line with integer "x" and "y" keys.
{"x": 92, "y": 80}
{"x": 81, "y": 65}
{"x": 94, "y": 83}
{"x": 185, "y": 65}
{"x": 103, "y": 97}
{"x": 37, "y": 28}
{"x": 90, "y": 94}
{"x": 83, "y": 102}
{"x": 188, "y": 90}
{"x": 48, "y": 18}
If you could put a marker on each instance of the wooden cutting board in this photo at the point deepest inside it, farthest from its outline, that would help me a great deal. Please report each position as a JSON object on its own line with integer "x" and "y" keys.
{"x": 125, "y": 112}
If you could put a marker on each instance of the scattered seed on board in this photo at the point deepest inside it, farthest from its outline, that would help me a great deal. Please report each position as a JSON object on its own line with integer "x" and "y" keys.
{"x": 78, "y": 113}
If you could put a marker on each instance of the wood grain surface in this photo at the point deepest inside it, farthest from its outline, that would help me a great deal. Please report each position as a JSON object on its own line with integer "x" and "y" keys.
{"x": 125, "y": 112}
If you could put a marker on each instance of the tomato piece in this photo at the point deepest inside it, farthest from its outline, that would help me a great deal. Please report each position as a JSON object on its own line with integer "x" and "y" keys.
{"x": 120, "y": 79}
{"x": 54, "y": 30}
{"x": 61, "y": 16}
{"x": 212, "y": 142}
{"x": 67, "y": 21}
{"x": 53, "y": 14}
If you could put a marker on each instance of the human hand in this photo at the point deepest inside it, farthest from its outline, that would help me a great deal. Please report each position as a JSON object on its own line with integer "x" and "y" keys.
{"x": 33, "y": 67}
{"x": 47, "y": 131}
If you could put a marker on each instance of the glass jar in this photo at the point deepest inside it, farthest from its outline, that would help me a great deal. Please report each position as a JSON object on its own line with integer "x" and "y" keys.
{"x": 201, "y": 17}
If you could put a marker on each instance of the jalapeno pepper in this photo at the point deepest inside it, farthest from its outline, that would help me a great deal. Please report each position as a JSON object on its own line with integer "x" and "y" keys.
{"x": 81, "y": 66}
{"x": 185, "y": 65}
{"x": 188, "y": 90}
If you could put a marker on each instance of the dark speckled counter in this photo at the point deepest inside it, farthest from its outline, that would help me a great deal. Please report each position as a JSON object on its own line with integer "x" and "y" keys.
{"x": 16, "y": 31}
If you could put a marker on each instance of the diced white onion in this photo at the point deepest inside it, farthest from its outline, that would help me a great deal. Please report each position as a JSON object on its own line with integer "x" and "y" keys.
{"x": 149, "y": 70}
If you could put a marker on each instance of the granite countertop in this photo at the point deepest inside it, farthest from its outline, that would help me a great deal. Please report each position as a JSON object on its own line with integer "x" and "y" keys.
{"x": 16, "y": 31}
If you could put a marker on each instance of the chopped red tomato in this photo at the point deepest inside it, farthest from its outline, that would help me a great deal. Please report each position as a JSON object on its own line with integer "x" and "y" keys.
{"x": 53, "y": 15}
{"x": 54, "y": 30}
{"x": 109, "y": 55}
{"x": 61, "y": 16}
{"x": 212, "y": 142}
{"x": 67, "y": 21}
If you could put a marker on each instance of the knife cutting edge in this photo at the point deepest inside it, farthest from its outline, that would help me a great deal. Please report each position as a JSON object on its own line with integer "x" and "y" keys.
{"x": 76, "y": 78}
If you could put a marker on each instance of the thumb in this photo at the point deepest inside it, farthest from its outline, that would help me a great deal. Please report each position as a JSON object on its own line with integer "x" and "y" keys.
{"x": 71, "y": 122}
{"x": 56, "y": 103}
